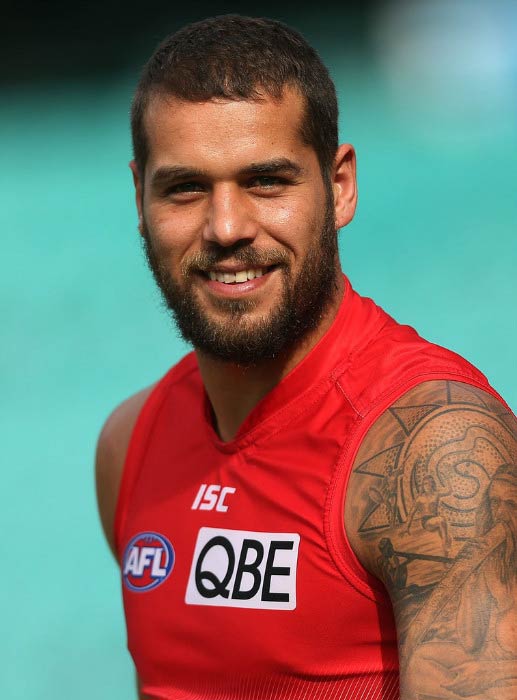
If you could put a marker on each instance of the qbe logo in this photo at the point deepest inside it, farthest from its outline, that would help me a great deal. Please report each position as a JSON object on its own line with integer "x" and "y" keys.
{"x": 242, "y": 569}
{"x": 148, "y": 561}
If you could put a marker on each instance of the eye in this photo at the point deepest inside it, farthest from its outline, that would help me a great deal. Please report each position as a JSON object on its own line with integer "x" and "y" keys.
{"x": 267, "y": 181}
{"x": 184, "y": 188}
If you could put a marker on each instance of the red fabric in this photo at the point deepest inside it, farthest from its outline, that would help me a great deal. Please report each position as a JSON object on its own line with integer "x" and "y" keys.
{"x": 289, "y": 465}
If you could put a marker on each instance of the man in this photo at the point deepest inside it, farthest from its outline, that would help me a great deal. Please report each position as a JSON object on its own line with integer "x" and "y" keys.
{"x": 247, "y": 494}
{"x": 426, "y": 504}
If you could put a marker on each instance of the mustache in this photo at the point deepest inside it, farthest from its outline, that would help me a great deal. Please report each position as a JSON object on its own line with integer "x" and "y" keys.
{"x": 204, "y": 260}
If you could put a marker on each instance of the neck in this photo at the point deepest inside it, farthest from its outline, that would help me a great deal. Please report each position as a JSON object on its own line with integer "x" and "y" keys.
{"x": 234, "y": 390}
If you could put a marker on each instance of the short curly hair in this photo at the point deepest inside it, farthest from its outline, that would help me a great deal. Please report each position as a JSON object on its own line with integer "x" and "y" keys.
{"x": 240, "y": 58}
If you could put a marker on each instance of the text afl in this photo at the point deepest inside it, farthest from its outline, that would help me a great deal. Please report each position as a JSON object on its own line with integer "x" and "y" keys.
{"x": 148, "y": 561}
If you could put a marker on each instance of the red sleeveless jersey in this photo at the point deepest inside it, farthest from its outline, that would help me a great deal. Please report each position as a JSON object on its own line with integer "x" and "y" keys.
{"x": 238, "y": 579}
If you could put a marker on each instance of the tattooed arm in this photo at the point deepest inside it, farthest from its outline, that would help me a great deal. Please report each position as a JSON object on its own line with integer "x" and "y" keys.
{"x": 448, "y": 519}
{"x": 412, "y": 514}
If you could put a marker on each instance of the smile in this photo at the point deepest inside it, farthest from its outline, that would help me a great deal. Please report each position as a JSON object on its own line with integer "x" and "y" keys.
{"x": 227, "y": 281}
{"x": 236, "y": 277}
{"x": 227, "y": 276}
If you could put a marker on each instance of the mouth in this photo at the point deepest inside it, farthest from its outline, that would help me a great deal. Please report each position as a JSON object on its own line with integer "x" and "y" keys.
{"x": 227, "y": 276}
{"x": 232, "y": 281}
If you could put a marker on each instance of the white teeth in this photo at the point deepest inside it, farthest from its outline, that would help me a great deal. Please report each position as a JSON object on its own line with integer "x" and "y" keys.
{"x": 235, "y": 277}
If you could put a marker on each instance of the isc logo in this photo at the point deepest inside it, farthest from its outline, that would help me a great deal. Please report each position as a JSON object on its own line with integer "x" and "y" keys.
{"x": 148, "y": 561}
{"x": 210, "y": 497}
{"x": 242, "y": 569}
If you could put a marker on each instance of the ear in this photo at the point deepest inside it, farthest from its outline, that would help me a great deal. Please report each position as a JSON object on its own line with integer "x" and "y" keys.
{"x": 344, "y": 185}
{"x": 139, "y": 191}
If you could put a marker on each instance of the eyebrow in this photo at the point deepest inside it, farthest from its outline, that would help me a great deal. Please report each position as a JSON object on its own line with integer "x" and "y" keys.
{"x": 275, "y": 165}
{"x": 174, "y": 172}
{"x": 168, "y": 173}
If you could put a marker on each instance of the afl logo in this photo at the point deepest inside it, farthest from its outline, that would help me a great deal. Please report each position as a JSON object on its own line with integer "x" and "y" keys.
{"x": 148, "y": 561}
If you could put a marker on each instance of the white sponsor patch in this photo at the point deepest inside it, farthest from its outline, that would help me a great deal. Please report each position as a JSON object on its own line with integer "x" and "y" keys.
{"x": 243, "y": 569}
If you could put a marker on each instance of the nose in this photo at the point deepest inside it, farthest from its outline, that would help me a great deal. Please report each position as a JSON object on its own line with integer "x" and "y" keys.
{"x": 229, "y": 218}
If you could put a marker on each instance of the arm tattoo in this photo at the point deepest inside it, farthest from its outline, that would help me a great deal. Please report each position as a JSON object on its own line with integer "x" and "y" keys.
{"x": 435, "y": 513}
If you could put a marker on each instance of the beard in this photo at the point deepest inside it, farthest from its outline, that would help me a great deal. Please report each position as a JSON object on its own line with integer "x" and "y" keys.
{"x": 235, "y": 337}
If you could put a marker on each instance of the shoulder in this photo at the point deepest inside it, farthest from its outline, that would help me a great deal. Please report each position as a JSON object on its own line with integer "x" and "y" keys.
{"x": 396, "y": 358}
{"x": 110, "y": 456}
{"x": 442, "y": 438}
{"x": 184, "y": 379}
{"x": 431, "y": 511}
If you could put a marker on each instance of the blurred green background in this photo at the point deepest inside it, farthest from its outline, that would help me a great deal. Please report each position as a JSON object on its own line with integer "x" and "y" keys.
{"x": 428, "y": 97}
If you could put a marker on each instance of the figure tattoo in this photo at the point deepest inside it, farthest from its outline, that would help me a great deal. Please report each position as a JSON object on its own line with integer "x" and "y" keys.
{"x": 433, "y": 497}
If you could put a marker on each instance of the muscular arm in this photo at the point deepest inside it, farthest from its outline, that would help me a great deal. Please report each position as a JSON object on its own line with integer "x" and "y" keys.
{"x": 109, "y": 463}
{"x": 456, "y": 610}
{"x": 110, "y": 457}
{"x": 412, "y": 514}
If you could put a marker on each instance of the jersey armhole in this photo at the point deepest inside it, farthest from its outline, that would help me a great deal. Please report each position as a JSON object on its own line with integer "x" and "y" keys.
{"x": 337, "y": 540}
{"x": 137, "y": 448}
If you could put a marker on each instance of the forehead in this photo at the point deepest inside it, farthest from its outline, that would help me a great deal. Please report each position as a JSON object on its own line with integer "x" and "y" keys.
{"x": 224, "y": 132}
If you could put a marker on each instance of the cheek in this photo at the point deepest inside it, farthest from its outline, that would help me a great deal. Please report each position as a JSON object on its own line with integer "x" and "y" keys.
{"x": 171, "y": 235}
{"x": 294, "y": 221}
{"x": 288, "y": 212}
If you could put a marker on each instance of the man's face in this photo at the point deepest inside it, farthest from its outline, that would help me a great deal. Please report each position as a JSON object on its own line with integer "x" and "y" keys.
{"x": 503, "y": 503}
{"x": 238, "y": 225}
{"x": 428, "y": 485}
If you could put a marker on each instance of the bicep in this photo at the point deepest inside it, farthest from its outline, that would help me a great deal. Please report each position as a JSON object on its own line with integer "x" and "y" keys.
{"x": 452, "y": 579}
{"x": 110, "y": 457}
{"x": 108, "y": 471}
